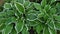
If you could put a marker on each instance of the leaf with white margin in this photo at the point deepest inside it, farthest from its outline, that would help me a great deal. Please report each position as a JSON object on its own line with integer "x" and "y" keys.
{"x": 52, "y": 31}
{"x": 19, "y": 7}
{"x": 45, "y": 30}
{"x": 7, "y": 5}
{"x": 31, "y": 17}
{"x": 25, "y": 31}
{"x": 43, "y": 3}
{"x": 19, "y": 25}
{"x": 7, "y": 29}
{"x": 13, "y": 31}
{"x": 37, "y": 6}
{"x": 57, "y": 25}
{"x": 51, "y": 24}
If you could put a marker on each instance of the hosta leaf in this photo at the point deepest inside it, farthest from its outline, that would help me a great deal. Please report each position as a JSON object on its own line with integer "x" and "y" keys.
{"x": 2, "y": 26}
{"x": 40, "y": 15}
{"x": 43, "y": 3}
{"x": 57, "y": 25}
{"x": 52, "y": 1}
{"x": 37, "y": 6}
{"x": 7, "y": 29}
{"x": 27, "y": 4}
{"x": 32, "y": 23}
{"x": 34, "y": 12}
{"x": 57, "y": 17}
{"x": 31, "y": 17}
{"x": 7, "y": 13}
{"x": 52, "y": 31}
{"x": 19, "y": 7}
{"x": 21, "y": 1}
{"x": 19, "y": 25}
{"x": 2, "y": 20}
{"x": 47, "y": 7}
{"x": 13, "y": 31}
{"x": 10, "y": 20}
{"x": 30, "y": 7}
{"x": 51, "y": 24}
{"x": 39, "y": 28}
{"x": 58, "y": 8}
{"x": 52, "y": 10}
{"x": 25, "y": 31}
{"x": 7, "y": 5}
{"x": 58, "y": 5}
{"x": 46, "y": 31}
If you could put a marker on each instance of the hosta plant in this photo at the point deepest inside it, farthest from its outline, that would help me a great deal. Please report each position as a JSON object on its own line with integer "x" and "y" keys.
{"x": 25, "y": 17}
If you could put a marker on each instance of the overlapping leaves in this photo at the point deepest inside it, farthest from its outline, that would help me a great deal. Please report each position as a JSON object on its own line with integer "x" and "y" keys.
{"x": 41, "y": 16}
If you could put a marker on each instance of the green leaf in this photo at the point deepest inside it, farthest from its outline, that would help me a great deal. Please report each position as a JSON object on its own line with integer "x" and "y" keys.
{"x": 52, "y": 1}
{"x": 52, "y": 31}
{"x": 39, "y": 28}
{"x": 57, "y": 25}
{"x": 47, "y": 7}
{"x": 7, "y": 5}
{"x": 25, "y": 31}
{"x": 27, "y": 4}
{"x": 10, "y": 20}
{"x": 19, "y": 25}
{"x": 58, "y": 8}
{"x": 13, "y": 31}
{"x": 53, "y": 11}
{"x": 7, "y": 29}
{"x": 2, "y": 20}
{"x": 57, "y": 17}
{"x": 31, "y": 17}
{"x": 43, "y": 3}
{"x": 7, "y": 13}
{"x": 51, "y": 24}
{"x": 32, "y": 23}
{"x": 19, "y": 7}
{"x": 45, "y": 30}
{"x": 2, "y": 26}
{"x": 21, "y": 1}
{"x": 30, "y": 7}
{"x": 40, "y": 15}
{"x": 37, "y": 6}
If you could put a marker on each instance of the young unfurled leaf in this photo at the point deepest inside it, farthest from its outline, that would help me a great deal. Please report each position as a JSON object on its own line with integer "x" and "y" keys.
{"x": 7, "y": 29}
{"x": 19, "y": 25}
{"x": 19, "y": 7}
